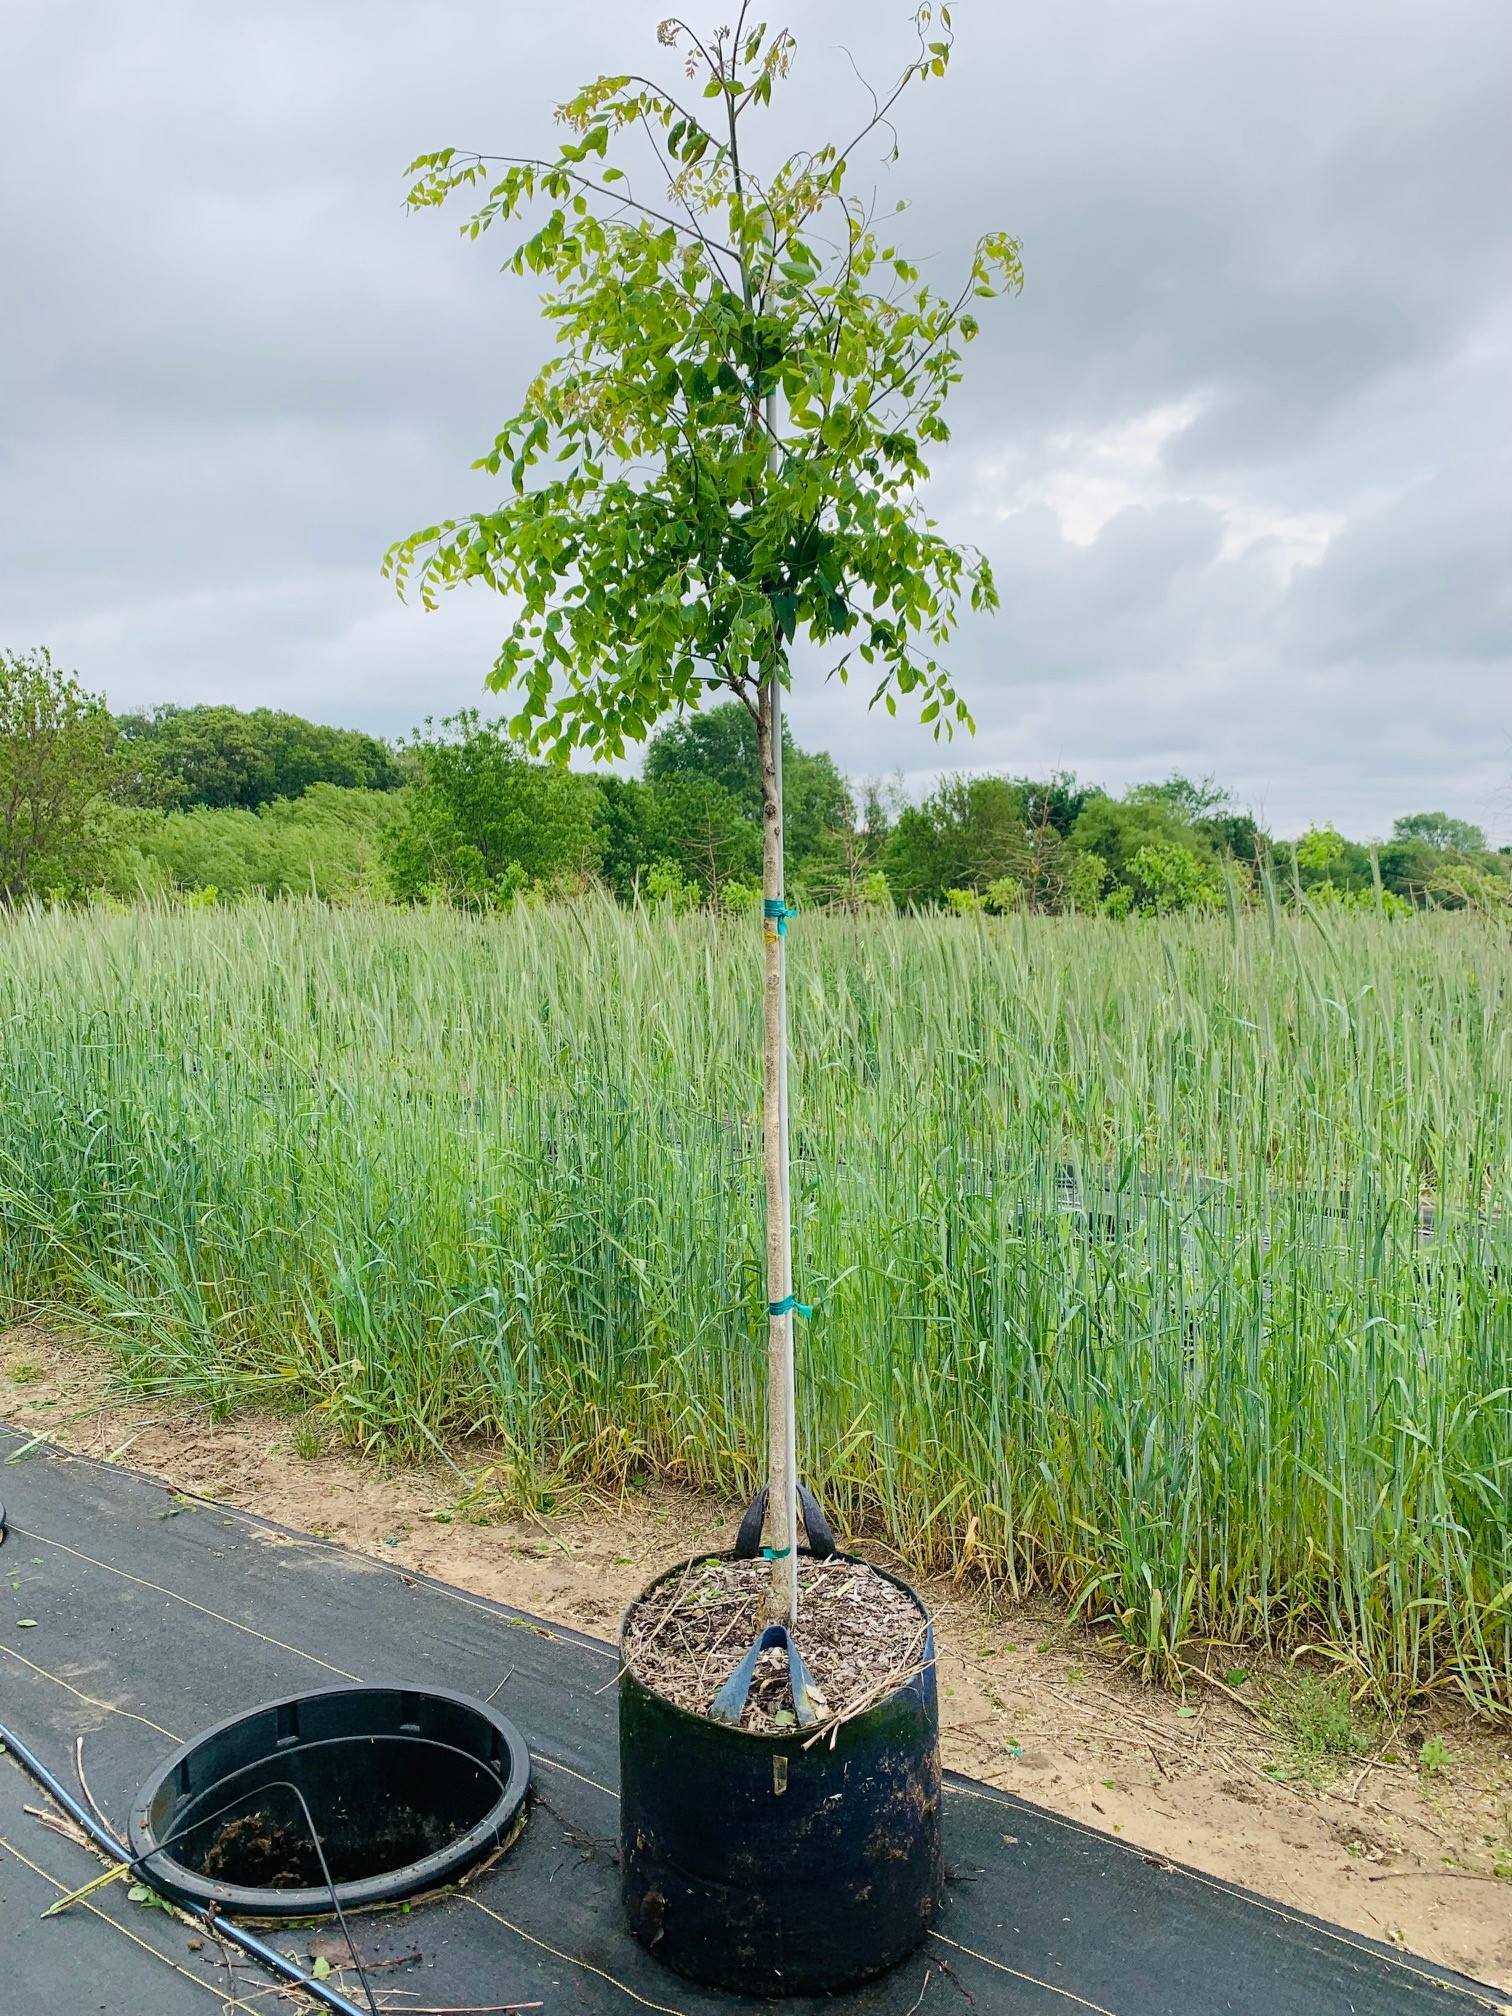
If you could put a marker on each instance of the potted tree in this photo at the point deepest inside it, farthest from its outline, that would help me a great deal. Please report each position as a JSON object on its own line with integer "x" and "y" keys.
{"x": 724, "y": 454}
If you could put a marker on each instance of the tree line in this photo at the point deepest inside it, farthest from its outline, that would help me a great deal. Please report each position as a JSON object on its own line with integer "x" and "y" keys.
{"x": 213, "y": 802}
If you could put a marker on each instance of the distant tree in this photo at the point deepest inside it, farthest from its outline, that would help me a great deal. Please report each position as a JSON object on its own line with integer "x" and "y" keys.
{"x": 1166, "y": 878}
{"x": 717, "y": 743}
{"x": 1056, "y": 801}
{"x": 1189, "y": 801}
{"x": 56, "y": 769}
{"x": 816, "y": 801}
{"x": 1323, "y": 863}
{"x": 1320, "y": 850}
{"x": 481, "y": 822}
{"x": 844, "y": 863}
{"x": 1410, "y": 869}
{"x": 218, "y": 756}
{"x": 327, "y": 843}
{"x": 699, "y": 826}
{"x": 687, "y": 826}
{"x": 1235, "y": 834}
{"x": 1438, "y": 829}
{"x": 720, "y": 745}
{"x": 969, "y": 832}
{"x": 1116, "y": 830}
{"x": 631, "y": 842}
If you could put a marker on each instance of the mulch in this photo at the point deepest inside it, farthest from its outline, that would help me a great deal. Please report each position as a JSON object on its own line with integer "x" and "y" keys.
{"x": 860, "y": 1636}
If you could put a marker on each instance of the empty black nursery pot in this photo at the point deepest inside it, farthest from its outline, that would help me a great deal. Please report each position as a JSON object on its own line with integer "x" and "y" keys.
{"x": 405, "y": 1788}
{"x": 779, "y": 1865}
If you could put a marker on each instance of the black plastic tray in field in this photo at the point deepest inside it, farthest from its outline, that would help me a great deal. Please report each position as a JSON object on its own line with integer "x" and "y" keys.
{"x": 154, "y": 1618}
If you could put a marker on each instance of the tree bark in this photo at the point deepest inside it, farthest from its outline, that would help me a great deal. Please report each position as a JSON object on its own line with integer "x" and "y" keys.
{"x": 782, "y": 1466}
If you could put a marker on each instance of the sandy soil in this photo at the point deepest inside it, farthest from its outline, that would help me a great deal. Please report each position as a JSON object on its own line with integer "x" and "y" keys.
{"x": 1028, "y": 1701}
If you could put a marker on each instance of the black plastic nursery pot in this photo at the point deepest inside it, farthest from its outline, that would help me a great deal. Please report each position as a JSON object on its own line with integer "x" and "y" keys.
{"x": 782, "y": 1864}
{"x": 405, "y": 1790}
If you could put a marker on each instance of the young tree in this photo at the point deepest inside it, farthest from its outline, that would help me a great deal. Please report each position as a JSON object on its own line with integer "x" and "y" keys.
{"x": 55, "y": 770}
{"x": 731, "y": 443}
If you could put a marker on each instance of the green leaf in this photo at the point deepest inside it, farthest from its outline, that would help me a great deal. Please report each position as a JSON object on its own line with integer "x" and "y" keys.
{"x": 321, "y": 1967}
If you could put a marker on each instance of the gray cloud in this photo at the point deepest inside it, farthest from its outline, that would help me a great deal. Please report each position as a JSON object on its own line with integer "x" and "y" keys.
{"x": 1228, "y": 452}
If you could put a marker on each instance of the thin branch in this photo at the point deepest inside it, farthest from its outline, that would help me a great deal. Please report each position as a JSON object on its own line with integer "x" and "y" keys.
{"x": 694, "y": 226}
{"x": 620, "y": 196}
{"x": 879, "y": 118}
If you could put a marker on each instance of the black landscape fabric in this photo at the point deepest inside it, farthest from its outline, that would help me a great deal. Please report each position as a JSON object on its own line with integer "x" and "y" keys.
{"x": 154, "y": 1617}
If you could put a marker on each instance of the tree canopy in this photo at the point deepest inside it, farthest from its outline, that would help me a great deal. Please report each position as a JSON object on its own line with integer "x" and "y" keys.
{"x": 218, "y": 756}
{"x": 729, "y": 445}
{"x": 1438, "y": 829}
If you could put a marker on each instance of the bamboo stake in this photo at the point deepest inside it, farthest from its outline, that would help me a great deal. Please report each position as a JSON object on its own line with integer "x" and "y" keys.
{"x": 782, "y": 1454}
{"x": 782, "y": 1493}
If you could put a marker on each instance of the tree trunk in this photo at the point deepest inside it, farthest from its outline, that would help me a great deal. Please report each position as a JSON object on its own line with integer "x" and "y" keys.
{"x": 782, "y": 1465}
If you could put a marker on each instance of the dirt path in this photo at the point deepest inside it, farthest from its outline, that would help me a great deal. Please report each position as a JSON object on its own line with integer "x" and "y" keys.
{"x": 1028, "y": 1701}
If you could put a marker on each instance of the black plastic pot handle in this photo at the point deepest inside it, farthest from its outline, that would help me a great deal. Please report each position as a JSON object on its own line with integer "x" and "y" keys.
{"x": 821, "y": 1540}
{"x": 729, "y": 1703}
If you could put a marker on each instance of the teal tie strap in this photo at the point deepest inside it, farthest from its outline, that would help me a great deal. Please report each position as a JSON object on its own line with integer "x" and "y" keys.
{"x": 787, "y": 1305}
{"x": 777, "y": 912}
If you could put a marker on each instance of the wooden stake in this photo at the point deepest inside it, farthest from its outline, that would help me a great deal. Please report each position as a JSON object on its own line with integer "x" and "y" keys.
{"x": 782, "y": 1459}
{"x": 782, "y": 1466}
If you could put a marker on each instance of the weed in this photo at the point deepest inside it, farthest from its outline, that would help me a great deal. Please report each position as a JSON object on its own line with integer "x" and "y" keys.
{"x": 1434, "y": 1756}
{"x": 1319, "y": 1721}
{"x": 148, "y": 1899}
{"x": 309, "y": 1437}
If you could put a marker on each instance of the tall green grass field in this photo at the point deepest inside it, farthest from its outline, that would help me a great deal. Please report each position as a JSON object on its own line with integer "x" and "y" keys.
{"x": 1169, "y": 1265}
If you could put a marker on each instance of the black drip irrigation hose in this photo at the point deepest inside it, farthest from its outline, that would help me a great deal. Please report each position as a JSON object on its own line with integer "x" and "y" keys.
{"x": 138, "y": 1863}
{"x": 219, "y": 1928}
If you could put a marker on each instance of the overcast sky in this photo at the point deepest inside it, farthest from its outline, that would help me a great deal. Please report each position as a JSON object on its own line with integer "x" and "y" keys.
{"x": 1238, "y": 453}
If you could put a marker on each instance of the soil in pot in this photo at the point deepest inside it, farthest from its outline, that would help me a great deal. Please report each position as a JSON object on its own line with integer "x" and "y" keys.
{"x": 860, "y": 1636}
